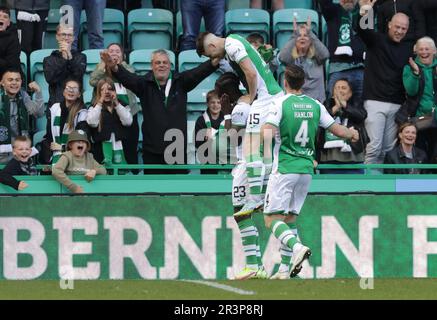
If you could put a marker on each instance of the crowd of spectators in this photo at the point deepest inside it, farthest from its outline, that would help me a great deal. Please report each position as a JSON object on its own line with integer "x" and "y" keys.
{"x": 380, "y": 77}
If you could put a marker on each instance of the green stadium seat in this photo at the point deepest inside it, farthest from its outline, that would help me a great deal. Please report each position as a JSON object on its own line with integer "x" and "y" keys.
{"x": 49, "y": 41}
{"x": 283, "y": 23}
{"x": 92, "y": 60}
{"x": 150, "y": 28}
{"x": 23, "y": 64}
{"x": 12, "y": 16}
{"x": 38, "y": 136}
{"x": 55, "y": 4}
{"x": 196, "y": 100}
{"x": 88, "y": 97}
{"x": 189, "y": 59}
{"x": 237, "y": 4}
{"x": 36, "y": 70}
{"x": 113, "y": 28}
{"x": 140, "y": 60}
{"x": 246, "y": 21}
{"x": 180, "y": 28}
{"x": 41, "y": 123}
{"x": 303, "y": 4}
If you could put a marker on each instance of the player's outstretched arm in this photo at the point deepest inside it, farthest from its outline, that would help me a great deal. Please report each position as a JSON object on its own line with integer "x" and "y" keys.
{"x": 344, "y": 132}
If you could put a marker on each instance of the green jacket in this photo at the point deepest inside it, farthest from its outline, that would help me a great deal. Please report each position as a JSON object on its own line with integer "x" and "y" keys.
{"x": 411, "y": 84}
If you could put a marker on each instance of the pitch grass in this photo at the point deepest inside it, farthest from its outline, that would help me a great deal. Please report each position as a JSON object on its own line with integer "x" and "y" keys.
{"x": 333, "y": 289}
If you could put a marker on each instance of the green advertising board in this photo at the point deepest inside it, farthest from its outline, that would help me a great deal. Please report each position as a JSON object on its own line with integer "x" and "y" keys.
{"x": 195, "y": 237}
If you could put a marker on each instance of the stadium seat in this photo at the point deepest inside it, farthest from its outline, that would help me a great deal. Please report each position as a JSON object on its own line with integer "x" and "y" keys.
{"x": 303, "y": 4}
{"x": 12, "y": 16}
{"x": 246, "y": 21}
{"x": 88, "y": 97}
{"x": 38, "y": 136}
{"x": 283, "y": 23}
{"x": 23, "y": 63}
{"x": 55, "y": 4}
{"x": 189, "y": 59}
{"x": 41, "y": 123}
{"x": 49, "y": 41}
{"x": 196, "y": 100}
{"x": 36, "y": 70}
{"x": 150, "y": 28}
{"x": 92, "y": 60}
{"x": 113, "y": 28}
{"x": 237, "y": 4}
{"x": 180, "y": 29}
{"x": 140, "y": 60}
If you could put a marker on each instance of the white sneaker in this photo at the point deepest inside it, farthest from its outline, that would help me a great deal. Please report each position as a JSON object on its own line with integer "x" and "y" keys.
{"x": 280, "y": 275}
{"x": 250, "y": 207}
{"x": 298, "y": 258}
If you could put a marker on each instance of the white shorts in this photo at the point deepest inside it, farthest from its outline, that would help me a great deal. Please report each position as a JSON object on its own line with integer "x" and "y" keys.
{"x": 240, "y": 186}
{"x": 259, "y": 111}
{"x": 286, "y": 193}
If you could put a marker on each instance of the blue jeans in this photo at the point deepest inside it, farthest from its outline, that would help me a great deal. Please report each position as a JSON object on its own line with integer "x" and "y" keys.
{"x": 94, "y": 10}
{"x": 355, "y": 77}
{"x": 213, "y": 11}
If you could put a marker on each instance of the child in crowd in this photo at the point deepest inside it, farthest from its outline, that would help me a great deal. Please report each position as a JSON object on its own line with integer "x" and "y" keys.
{"x": 76, "y": 161}
{"x": 20, "y": 165}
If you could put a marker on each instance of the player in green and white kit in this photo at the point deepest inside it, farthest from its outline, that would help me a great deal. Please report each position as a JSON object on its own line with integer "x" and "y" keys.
{"x": 293, "y": 122}
{"x": 262, "y": 88}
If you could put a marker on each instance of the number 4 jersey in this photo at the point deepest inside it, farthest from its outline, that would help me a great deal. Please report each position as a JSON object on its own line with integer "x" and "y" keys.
{"x": 297, "y": 118}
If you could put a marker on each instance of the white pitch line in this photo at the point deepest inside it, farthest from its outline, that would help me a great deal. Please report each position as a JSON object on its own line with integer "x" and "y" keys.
{"x": 223, "y": 287}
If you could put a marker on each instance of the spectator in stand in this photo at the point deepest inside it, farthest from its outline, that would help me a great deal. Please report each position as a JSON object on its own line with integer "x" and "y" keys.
{"x": 126, "y": 98}
{"x": 383, "y": 89}
{"x": 94, "y": 10}
{"x": 108, "y": 119}
{"x": 274, "y": 4}
{"x": 405, "y": 152}
{"x": 63, "y": 118}
{"x": 213, "y": 11}
{"x": 420, "y": 82}
{"x": 16, "y": 106}
{"x": 386, "y": 9}
{"x": 163, "y": 97}
{"x": 31, "y": 23}
{"x": 346, "y": 48}
{"x": 266, "y": 51}
{"x": 348, "y": 110}
{"x": 307, "y": 51}
{"x": 20, "y": 165}
{"x": 64, "y": 63}
{"x": 207, "y": 132}
{"x": 9, "y": 44}
{"x": 77, "y": 160}
{"x": 426, "y": 24}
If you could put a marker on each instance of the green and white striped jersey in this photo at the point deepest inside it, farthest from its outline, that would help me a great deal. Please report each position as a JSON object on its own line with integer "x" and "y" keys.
{"x": 237, "y": 48}
{"x": 297, "y": 118}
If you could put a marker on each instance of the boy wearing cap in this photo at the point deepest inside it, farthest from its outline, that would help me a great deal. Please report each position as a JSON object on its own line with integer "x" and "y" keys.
{"x": 77, "y": 160}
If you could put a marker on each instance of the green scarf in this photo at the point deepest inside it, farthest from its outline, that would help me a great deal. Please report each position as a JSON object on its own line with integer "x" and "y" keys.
{"x": 121, "y": 94}
{"x": 113, "y": 151}
{"x": 5, "y": 117}
{"x": 332, "y": 141}
{"x": 345, "y": 34}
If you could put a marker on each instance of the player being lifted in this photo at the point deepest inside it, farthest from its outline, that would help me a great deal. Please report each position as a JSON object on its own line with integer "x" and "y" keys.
{"x": 262, "y": 87}
{"x": 293, "y": 122}
{"x": 236, "y": 111}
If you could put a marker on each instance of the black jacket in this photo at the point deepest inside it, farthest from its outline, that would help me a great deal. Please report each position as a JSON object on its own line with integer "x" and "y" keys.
{"x": 158, "y": 118}
{"x": 9, "y": 49}
{"x": 356, "y": 114}
{"x": 426, "y": 25}
{"x": 384, "y": 65}
{"x": 332, "y": 14}
{"x": 397, "y": 156}
{"x": 16, "y": 168}
{"x": 57, "y": 70}
{"x": 32, "y": 5}
{"x": 388, "y": 8}
{"x": 110, "y": 123}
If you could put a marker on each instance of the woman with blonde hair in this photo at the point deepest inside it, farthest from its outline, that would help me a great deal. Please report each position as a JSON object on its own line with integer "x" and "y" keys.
{"x": 307, "y": 51}
{"x": 108, "y": 119}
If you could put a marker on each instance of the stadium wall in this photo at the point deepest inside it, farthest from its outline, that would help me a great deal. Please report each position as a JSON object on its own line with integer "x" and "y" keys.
{"x": 195, "y": 237}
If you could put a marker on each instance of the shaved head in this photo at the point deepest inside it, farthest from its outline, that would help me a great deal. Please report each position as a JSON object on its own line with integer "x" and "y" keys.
{"x": 398, "y": 27}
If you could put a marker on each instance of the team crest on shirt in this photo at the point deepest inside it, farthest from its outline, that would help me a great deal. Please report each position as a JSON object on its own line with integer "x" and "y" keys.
{"x": 3, "y": 134}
